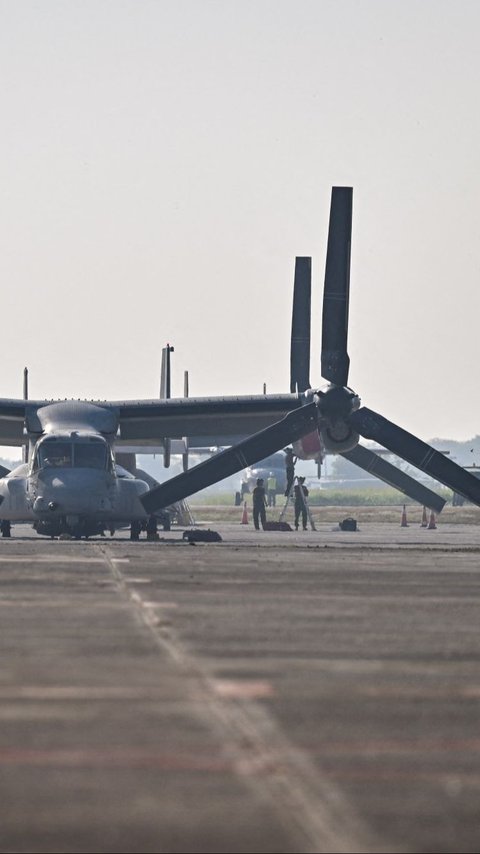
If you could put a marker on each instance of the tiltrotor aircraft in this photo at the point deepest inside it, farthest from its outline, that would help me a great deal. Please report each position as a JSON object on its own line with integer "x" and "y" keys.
{"x": 72, "y": 483}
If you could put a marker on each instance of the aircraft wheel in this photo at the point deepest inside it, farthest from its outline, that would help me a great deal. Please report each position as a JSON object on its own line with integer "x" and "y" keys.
{"x": 135, "y": 529}
{"x": 5, "y": 528}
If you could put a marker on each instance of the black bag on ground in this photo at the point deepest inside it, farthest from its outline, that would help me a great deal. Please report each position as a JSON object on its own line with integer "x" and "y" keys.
{"x": 277, "y": 526}
{"x": 198, "y": 535}
{"x": 348, "y": 524}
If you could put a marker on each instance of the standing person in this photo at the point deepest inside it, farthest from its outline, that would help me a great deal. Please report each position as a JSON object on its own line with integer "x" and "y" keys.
{"x": 271, "y": 489}
{"x": 290, "y": 469}
{"x": 301, "y": 493}
{"x": 259, "y": 502}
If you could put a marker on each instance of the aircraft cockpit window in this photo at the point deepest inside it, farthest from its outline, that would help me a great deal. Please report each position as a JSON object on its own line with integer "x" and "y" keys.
{"x": 55, "y": 455}
{"x": 80, "y": 455}
{"x": 90, "y": 455}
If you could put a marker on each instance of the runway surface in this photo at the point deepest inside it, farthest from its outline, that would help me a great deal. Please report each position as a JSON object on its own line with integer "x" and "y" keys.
{"x": 276, "y": 692}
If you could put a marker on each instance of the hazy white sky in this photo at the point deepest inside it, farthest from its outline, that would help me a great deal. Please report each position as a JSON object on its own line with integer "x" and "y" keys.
{"x": 162, "y": 163}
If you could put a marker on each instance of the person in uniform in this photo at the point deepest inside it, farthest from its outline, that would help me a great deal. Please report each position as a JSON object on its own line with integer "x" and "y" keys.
{"x": 259, "y": 503}
{"x": 301, "y": 493}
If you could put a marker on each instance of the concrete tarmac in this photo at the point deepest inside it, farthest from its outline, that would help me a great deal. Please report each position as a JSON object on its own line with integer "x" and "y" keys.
{"x": 276, "y": 692}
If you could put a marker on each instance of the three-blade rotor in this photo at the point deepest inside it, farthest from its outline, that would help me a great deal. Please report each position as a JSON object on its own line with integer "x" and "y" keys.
{"x": 335, "y": 409}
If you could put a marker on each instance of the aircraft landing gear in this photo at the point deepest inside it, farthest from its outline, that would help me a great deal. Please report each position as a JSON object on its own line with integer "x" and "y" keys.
{"x": 152, "y": 528}
{"x": 135, "y": 529}
{"x": 5, "y": 528}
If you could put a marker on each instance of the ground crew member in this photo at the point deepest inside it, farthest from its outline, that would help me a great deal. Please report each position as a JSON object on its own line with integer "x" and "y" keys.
{"x": 301, "y": 493}
{"x": 271, "y": 489}
{"x": 259, "y": 503}
{"x": 290, "y": 469}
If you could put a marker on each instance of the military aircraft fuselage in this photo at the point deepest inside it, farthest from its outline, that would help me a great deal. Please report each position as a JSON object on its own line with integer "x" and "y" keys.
{"x": 71, "y": 483}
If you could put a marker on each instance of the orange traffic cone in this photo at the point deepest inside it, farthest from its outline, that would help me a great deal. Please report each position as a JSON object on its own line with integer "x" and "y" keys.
{"x": 424, "y": 518}
{"x": 404, "y": 523}
{"x": 431, "y": 525}
{"x": 245, "y": 514}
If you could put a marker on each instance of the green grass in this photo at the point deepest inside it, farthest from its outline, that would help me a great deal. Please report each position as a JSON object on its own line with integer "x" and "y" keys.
{"x": 325, "y": 498}
{"x": 391, "y": 514}
{"x": 366, "y": 497}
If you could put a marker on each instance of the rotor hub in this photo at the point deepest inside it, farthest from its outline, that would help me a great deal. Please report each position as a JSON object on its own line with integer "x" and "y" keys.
{"x": 336, "y": 403}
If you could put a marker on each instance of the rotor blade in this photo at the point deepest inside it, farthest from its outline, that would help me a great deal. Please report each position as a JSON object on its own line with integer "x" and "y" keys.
{"x": 367, "y": 460}
{"x": 371, "y": 425}
{"x": 295, "y": 425}
{"x": 300, "y": 340}
{"x": 166, "y": 373}
{"x": 335, "y": 361}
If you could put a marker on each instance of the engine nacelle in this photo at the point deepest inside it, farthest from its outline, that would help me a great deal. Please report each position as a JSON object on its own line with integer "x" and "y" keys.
{"x": 338, "y": 437}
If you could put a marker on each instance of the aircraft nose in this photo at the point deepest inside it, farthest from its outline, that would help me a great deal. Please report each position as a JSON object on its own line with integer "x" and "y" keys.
{"x": 70, "y": 492}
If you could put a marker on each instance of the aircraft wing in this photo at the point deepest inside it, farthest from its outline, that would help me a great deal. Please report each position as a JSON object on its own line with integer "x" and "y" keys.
{"x": 12, "y": 419}
{"x": 206, "y": 421}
